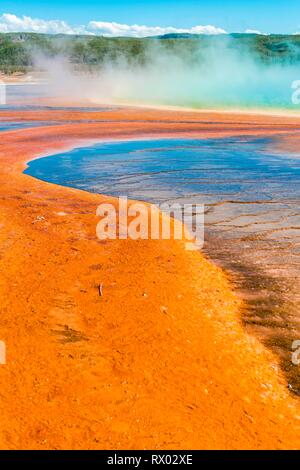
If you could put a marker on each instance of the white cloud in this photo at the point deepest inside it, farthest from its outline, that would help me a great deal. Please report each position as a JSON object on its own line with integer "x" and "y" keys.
{"x": 255, "y": 31}
{"x": 13, "y": 23}
{"x": 117, "y": 29}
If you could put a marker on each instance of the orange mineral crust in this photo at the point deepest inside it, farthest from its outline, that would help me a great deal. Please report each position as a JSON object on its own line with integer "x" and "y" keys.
{"x": 160, "y": 360}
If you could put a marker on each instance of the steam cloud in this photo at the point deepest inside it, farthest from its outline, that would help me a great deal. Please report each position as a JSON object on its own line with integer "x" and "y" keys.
{"x": 218, "y": 76}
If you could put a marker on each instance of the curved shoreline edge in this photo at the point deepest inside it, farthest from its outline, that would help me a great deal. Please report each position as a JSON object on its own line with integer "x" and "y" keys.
{"x": 182, "y": 376}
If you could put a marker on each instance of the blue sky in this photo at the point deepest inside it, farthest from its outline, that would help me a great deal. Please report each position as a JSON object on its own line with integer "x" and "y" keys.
{"x": 275, "y": 16}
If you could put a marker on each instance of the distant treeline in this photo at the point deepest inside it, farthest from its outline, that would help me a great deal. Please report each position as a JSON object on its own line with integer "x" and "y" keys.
{"x": 17, "y": 50}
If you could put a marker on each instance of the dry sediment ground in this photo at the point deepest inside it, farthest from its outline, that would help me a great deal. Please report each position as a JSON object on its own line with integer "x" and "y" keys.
{"x": 161, "y": 360}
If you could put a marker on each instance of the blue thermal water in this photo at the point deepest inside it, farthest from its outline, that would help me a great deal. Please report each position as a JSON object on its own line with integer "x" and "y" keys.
{"x": 212, "y": 170}
{"x": 14, "y": 125}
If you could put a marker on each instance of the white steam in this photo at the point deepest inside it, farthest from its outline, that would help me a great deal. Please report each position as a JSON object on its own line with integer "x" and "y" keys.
{"x": 214, "y": 77}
